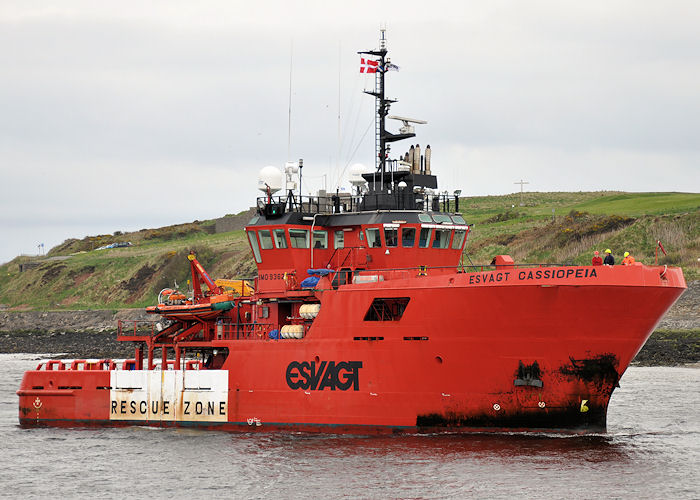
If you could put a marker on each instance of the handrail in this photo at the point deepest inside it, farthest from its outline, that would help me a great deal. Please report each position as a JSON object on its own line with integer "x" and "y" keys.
{"x": 353, "y": 203}
{"x": 246, "y": 331}
{"x": 134, "y": 330}
{"x": 312, "y": 204}
{"x": 474, "y": 267}
{"x": 77, "y": 365}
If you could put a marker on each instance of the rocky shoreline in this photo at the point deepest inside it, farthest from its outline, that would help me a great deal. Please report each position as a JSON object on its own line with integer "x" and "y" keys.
{"x": 93, "y": 334}
{"x": 70, "y": 345}
{"x": 70, "y": 334}
{"x": 664, "y": 348}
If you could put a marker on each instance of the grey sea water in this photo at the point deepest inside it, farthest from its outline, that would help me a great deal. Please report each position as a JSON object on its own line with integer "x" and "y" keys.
{"x": 651, "y": 450}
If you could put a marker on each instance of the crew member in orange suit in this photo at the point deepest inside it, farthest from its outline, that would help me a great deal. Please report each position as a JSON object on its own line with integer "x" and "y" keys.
{"x": 628, "y": 260}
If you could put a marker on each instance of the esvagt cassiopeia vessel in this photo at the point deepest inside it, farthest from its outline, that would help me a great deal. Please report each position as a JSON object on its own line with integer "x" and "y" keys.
{"x": 363, "y": 319}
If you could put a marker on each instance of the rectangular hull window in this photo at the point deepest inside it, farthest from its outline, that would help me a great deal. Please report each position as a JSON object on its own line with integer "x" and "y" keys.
{"x": 387, "y": 309}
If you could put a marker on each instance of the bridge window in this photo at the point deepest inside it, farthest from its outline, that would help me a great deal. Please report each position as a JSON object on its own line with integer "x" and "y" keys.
{"x": 458, "y": 219}
{"x": 442, "y": 238}
{"x": 339, "y": 239}
{"x": 373, "y": 238}
{"x": 441, "y": 218}
{"x": 387, "y": 309}
{"x": 265, "y": 239}
{"x": 391, "y": 236}
{"x": 280, "y": 238}
{"x": 299, "y": 238}
{"x": 408, "y": 237}
{"x": 424, "y": 239}
{"x": 254, "y": 246}
{"x": 320, "y": 239}
{"x": 458, "y": 238}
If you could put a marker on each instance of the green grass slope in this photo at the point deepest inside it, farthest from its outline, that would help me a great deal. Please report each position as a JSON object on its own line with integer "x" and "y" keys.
{"x": 545, "y": 228}
{"x": 121, "y": 277}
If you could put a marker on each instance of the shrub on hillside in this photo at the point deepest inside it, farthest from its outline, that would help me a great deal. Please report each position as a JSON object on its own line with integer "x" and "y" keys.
{"x": 503, "y": 216}
{"x": 579, "y": 225}
{"x": 172, "y": 232}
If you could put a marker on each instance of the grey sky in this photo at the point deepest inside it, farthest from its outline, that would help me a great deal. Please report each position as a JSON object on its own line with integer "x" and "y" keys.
{"x": 121, "y": 115}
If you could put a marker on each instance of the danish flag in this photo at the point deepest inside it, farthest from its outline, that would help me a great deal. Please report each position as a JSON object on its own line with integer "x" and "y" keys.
{"x": 368, "y": 66}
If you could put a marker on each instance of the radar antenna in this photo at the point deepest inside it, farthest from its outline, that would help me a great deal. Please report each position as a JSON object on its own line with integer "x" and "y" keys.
{"x": 407, "y": 129}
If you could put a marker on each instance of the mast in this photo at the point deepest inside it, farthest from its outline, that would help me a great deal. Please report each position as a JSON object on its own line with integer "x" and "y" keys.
{"x": 382, "y": 136}
{"x": 380, "y": 103}
{"x": 389, "y": 187}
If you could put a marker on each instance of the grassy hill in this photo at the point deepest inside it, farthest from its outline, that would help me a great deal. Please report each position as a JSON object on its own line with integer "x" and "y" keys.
{"x": 546, "y": 227}
{"x": 568, "y": 227}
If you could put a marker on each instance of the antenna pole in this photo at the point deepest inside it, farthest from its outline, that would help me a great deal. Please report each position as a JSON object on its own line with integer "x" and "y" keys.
{"x": 301, "y": 166}
{"x": 337, "y": 158}
{"x": 289, "y": 120}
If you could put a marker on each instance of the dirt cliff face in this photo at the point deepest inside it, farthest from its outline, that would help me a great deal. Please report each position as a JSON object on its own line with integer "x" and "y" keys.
{"x": 69, "y": 321}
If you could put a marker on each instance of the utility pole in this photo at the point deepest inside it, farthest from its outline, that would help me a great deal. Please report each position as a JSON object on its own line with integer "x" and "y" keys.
{"x": 521, "y": 190}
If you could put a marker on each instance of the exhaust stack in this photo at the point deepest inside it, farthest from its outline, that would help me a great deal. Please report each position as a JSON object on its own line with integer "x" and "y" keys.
{"x": 427, "y": 159}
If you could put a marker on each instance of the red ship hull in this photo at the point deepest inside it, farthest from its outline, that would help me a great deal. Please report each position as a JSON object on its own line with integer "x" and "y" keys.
{"x": 507, "y": 349}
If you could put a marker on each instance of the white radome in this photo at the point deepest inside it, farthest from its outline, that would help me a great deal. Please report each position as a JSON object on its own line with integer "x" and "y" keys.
{"x": 272, "y": 177}
{"x": 356, "y": 172}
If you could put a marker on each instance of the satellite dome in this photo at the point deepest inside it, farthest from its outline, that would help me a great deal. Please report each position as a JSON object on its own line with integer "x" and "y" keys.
{"x": 271, "y": 177}
{"x": 356, "y": 172}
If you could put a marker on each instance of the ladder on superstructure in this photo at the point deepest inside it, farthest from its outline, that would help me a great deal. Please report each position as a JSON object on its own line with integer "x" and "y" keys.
{"x": 378, "y": 91}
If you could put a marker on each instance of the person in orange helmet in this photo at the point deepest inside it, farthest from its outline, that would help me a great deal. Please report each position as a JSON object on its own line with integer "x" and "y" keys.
{"x": 628, "y": 260}
{"x": 597, "y": 260}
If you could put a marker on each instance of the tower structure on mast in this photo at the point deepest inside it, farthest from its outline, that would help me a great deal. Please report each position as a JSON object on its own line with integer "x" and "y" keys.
{"x": 382, "y": 105}
{"x": 395, "y": 183}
